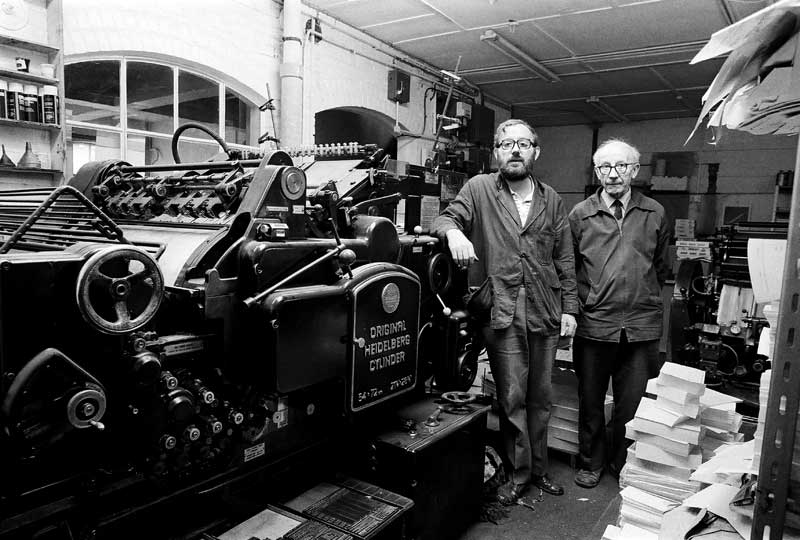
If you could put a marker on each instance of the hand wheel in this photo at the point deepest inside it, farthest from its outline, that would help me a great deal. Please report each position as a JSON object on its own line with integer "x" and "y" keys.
{"x": 119, "y": 289}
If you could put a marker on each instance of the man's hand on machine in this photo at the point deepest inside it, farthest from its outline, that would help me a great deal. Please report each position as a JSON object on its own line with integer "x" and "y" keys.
{"x": 461, "y": 248}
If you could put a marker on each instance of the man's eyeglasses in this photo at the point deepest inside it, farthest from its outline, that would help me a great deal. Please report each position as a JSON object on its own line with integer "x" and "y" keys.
{"x": 523, "y": 144}
{"x": 621, "y": 168}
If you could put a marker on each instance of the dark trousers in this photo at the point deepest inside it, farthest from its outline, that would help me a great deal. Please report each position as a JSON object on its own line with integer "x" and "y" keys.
{"x": 628, "y": 365}
{"x": 522, "y": 366}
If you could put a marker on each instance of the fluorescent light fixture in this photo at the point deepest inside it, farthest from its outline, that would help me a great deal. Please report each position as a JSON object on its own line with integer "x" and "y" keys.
{"x": 450, "y": 75}
{"x": 604, "y": 107}
{"x": 490, "y": 37}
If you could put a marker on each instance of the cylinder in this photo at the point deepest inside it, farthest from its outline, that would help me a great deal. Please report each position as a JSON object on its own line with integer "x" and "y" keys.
{"x": 49, "y": 104}
{"x": 31, "y": 102}
{"x": 13, "y": 98}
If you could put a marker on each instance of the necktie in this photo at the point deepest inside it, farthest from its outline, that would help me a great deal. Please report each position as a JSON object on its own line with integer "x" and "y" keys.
{"x": 616, "y": 207}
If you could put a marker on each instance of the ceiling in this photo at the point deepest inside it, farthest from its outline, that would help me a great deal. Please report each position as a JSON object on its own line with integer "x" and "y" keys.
{"x": 615, "y": 60}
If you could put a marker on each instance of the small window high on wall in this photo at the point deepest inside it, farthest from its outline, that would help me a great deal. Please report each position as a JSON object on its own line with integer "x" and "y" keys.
{"x": 128, "y": 108}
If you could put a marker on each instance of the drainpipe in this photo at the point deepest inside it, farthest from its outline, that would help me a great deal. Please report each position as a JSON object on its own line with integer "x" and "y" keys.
{"x": 291, "y": 73}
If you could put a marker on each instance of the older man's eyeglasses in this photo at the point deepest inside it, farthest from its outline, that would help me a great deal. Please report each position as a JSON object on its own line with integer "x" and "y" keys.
{"x": 621, "y": 168}
{"x": 523, "y": 144}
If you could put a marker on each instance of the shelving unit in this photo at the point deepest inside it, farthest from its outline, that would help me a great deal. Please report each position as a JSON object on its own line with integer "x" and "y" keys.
{"x": 41, "y": 40}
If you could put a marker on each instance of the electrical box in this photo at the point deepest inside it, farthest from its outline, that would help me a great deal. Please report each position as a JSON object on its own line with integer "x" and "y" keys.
{"x": 399, "y": 86}
{"x": 463, "y": 110}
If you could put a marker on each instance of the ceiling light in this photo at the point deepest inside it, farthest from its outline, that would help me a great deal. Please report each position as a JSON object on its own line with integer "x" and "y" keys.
{"x": 490, "y": 37}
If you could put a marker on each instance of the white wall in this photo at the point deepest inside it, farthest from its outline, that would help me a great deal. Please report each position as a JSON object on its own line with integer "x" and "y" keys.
{"x": 240, "y": 40}
{"x": 234, "y": 40}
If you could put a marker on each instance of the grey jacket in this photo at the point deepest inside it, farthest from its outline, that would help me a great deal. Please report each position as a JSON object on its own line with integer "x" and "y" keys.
{"x": 620, "y": 270}
{"x": 537, "y": 254}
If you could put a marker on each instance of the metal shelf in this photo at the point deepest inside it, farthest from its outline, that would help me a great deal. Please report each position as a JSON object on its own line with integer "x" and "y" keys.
{"x": 25, "y": 44}
{"x": 29, "y": 125}
{"x": 26, "y": 170}
{"x": 30, "y": 77}
{"x": 775, "y": 469}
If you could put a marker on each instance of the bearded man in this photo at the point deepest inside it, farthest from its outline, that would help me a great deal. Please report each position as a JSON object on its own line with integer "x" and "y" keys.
{"x": 511, "y": 231}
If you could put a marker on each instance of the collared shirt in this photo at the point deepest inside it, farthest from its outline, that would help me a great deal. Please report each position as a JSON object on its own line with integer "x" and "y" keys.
{"x": 523, "y": 205}
{"x": 609, "y": 200}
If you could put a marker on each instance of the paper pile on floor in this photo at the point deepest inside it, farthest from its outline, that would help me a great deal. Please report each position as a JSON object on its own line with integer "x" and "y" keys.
{"x": 627, "y": 532}
{"x": 562, "y": 430}
{"x": 674, "y": 433}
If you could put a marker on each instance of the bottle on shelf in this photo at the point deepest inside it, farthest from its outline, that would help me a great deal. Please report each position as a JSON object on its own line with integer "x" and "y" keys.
{"x": 3, "y": 91}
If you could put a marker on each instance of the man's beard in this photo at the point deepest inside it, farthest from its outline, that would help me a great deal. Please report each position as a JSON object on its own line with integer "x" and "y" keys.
{"x": 516, "y": 173}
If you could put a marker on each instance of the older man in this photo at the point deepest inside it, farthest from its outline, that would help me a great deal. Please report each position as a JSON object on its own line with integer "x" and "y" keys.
{"x": 620, "y": 239}
{"x": 511, "y": 230}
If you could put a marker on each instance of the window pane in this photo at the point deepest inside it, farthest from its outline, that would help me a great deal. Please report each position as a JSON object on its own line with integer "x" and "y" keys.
{"x": 92, "y": 92}
{"x": 150, "y": 97}
{"x": 198, "y": 102}
{"x": 146, "y": 150}
{"x": 239, "y": 116}
{"x": 85, "y": 145}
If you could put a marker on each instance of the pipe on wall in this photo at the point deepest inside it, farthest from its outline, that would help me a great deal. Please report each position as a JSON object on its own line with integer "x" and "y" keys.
{"x": 291, "y": 74}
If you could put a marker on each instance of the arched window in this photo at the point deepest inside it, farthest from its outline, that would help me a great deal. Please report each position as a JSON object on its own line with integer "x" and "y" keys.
{"x": 127, "y": 108}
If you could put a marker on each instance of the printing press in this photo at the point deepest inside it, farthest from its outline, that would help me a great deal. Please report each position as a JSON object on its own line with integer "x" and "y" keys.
{"x": 169, "y": 332}
{"x": 714, "y": 319}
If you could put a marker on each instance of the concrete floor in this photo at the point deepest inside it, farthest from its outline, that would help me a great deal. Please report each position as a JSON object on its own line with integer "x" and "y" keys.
{"x": 579, "y": 514}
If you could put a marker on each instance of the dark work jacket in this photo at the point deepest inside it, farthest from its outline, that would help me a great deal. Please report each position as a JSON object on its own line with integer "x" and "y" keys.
{"x": 537, "y": 255}
{"x": 620, "y": 270}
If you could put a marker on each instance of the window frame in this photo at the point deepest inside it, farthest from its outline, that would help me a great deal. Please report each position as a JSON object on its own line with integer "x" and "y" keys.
{"x": 124, "y": 131}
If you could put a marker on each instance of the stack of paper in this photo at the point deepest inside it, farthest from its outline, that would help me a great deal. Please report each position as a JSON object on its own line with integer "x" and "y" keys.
{"x": 643, "y": 509}
{"x": 667, "y": 432}
{"x": 627, "y": 532}
{"x": 755, "y": 90}
{"x": 720, "y": 422}
{"x": 758, "y": 440}
{"x": 562, "y": 430}
{"x": 763, "y": 396}
{"x": 684, "y": 229}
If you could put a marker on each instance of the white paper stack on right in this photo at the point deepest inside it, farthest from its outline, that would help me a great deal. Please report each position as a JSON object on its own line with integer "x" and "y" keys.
{"x": 668, "y": 433}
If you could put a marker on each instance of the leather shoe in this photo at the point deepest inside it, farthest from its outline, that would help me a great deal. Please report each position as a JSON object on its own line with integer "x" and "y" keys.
{"x": 588, "y": 479}
{"x": 548, "y": 486}
{"x": 510, "y": 492}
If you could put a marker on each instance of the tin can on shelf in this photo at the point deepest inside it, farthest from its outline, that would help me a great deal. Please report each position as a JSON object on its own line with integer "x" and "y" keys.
{"x": 3, "y": 92}
{"x": 49, "y": 104}
{"x": 13, "y": 99}
{"x": 31, "y": 92}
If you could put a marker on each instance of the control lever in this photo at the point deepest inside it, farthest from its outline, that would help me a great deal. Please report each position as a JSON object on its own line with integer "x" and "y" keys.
{"x": 433, "y": 419}
{"x": 446, "y": 311}
{"x": 250, "y": 302}
{"x": 346, "y": 256}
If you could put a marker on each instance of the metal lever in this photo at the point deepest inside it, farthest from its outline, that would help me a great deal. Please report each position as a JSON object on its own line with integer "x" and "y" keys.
{"x": 446, "y": 311}
{"x": 433, "y": 419}
{"x": 250, "y": 302}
